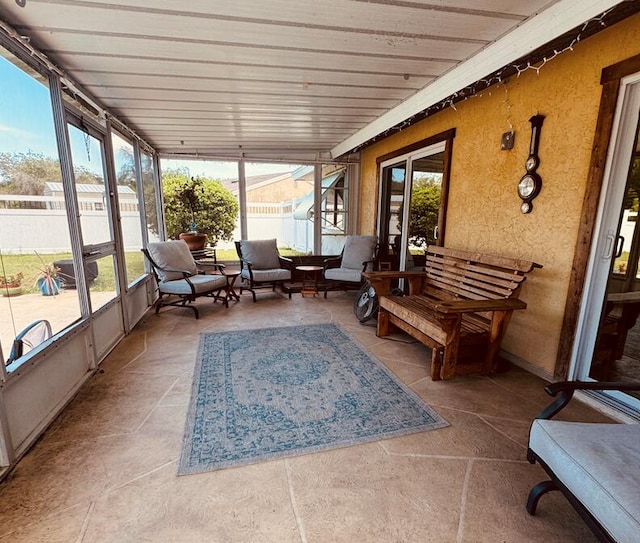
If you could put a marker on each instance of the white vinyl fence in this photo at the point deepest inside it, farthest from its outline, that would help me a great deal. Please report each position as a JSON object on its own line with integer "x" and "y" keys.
{"x": 24, "y": 230}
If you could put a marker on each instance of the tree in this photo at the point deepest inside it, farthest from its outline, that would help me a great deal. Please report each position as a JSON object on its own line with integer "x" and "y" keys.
{"x": 423, "y": 214}
{"x": 202, "y": 201}
{"x": 28, "y": 173}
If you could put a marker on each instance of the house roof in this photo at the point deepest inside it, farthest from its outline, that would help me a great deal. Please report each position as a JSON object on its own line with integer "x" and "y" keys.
{"x": 282, "y": 79}
{"x": 255, "y": 181}
{"x": 85, "y": 188}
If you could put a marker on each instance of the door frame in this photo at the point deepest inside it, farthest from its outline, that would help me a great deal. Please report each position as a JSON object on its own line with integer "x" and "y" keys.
{"x": 416, "y": 149}
{"x": 611, "y": 80}
{"x": 607, "y": 226}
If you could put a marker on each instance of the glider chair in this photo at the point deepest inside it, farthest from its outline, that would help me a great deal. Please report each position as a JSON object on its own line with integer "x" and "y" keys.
{"x": 345, "y": 272}
{"x": 262, "y": 266}
{"x": 177, "y": 276}
{"x": 596, "y": 466}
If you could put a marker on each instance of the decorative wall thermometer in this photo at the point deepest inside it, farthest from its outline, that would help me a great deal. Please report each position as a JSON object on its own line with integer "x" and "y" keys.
{"x": 531, "y": 182}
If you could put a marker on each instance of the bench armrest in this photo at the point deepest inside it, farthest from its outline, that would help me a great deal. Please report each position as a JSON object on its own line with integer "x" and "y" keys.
{"x": 384, "y": 275}
{"x": 381, "y": 281}
{"x": 563, "y": 391}
{"x": 474, "y": 306}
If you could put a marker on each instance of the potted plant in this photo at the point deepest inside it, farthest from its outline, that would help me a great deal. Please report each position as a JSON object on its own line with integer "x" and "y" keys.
{"x": 189, "y": 197}
{"x": 11, "y": 285}
{"x": 48, "y": 281}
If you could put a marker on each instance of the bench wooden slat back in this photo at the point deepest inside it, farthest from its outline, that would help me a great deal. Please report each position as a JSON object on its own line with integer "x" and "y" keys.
{"x": 453, "y": 274}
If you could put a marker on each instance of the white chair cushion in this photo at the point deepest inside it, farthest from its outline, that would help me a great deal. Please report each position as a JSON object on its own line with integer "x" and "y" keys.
{"x": 344, "y": 274}
{"x": 174, "y": 255}
{"x": 261, "y": 253}
{"x": 201, "y": 283}
{"x": 357, "y": 250}
{"x": 600, "y": 465}
{"x": 279, "y": 274}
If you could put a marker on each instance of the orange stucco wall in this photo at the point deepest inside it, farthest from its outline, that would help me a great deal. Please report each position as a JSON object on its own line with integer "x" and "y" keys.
{"x": 484, "y": 208}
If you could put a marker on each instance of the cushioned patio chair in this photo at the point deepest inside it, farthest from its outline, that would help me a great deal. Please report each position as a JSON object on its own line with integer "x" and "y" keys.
{"x": 262, "y": 266}
{"x": 596, "y": 466}
{"x": 345, "y": 271}
{"x": 30, "y": 337}
{"x": 179, "y": 282}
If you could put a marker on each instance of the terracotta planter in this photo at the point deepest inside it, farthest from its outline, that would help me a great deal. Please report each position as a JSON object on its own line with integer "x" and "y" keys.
{"x": 195, "y": 242}
{"x": 11, "y": 289}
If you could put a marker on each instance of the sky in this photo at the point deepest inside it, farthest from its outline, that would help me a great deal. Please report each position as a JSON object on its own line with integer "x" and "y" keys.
{"x": 224, "y": 170}
{"x": 26, "y": 124}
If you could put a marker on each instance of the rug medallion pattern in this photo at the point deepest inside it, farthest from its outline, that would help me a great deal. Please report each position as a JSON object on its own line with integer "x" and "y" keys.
{"x": 276, "y": 392}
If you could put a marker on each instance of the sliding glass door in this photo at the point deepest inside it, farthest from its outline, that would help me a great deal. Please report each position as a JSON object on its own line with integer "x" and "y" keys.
{"x": 413, "y": 199}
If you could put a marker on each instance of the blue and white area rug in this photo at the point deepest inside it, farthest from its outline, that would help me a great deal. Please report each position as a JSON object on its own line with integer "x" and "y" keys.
{"x": 279, "y": 392}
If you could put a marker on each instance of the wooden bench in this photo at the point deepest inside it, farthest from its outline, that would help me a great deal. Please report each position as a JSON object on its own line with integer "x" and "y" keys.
{"x": 459, "y": 306}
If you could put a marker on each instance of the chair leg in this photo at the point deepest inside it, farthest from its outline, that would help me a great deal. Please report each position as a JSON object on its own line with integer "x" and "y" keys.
{"x": 537, "y": 492}
{"x": 179, "y": 303}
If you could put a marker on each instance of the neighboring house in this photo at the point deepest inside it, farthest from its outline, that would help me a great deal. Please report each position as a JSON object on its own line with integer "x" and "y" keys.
{"x": 270, "y": 188}
{"x": 289, "y": 197}
{"x": 91, "y": 197}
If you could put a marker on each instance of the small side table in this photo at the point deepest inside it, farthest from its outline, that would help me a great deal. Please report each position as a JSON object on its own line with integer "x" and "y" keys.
{"x": 309, "y": 279}
{"x": 232, "y": 275}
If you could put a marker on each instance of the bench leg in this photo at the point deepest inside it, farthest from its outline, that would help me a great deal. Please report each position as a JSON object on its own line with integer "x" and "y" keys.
{"x": 450, "y": 348}
{"x": 436, "y": 363}
{"x": 498, "y": 326}
{"x": 383, "y": 323}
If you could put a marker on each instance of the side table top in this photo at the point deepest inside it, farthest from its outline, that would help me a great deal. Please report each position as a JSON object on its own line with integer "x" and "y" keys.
{"x": 309, "y": 268}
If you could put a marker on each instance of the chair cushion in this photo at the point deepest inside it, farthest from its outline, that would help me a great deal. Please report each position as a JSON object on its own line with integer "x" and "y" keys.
{"x": 358, "y": 249}
{"x": 599, "y": 465}
{"x": 344, "y": 274}
{"x": 174, "y": 255}
{"x": 261, "y": 253}
{"x": 201, "y": 283}
{"x": 278, "y": 274}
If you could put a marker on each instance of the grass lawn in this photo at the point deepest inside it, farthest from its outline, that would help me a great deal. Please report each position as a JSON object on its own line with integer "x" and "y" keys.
{"x": 31, "y": 265}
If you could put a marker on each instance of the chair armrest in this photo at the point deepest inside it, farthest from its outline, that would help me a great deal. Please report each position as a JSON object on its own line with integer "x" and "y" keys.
{"x": 186, "y": 273}
{"x": 474, "y": 306}
{"x": 202, "y": 264}
{"x": 563, "y": 391}
{"x": 366, "y": 263}
{"x": 286, "y": 261}
{"x": 333, "y": 262}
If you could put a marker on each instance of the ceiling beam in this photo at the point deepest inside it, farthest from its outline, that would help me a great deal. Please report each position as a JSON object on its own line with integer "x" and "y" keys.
{"x": 553, "y": 22}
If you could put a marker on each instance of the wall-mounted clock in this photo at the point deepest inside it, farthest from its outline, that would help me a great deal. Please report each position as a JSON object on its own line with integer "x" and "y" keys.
{"x": 530, "y": 184}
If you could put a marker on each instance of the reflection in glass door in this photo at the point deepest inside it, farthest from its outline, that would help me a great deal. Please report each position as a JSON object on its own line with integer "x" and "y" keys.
{"x": 392, "y": 198}
{"x": 616, "y": 355}
{"x": 406, "y": 230}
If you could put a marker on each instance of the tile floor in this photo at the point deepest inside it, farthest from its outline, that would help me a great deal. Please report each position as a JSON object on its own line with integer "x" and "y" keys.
{"x": 105, "y": 471}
